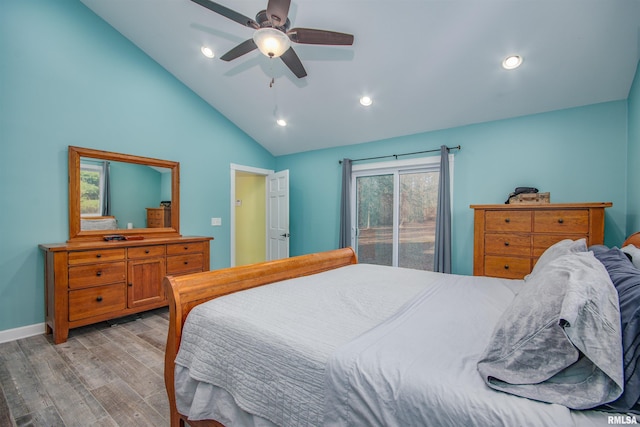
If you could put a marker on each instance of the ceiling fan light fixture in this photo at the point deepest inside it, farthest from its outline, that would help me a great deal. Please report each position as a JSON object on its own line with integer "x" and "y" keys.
{"x": 281, "y": 122}
{"x": 512, "y": 62}
{"x": 271, "y": 42}
{"x": 206, "y": 51}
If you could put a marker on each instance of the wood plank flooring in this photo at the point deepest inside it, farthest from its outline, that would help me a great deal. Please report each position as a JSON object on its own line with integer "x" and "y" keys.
{"x": 108, "y": 374}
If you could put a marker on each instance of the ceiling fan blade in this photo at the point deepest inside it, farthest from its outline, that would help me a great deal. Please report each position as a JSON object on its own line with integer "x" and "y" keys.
{"x": 277, "y": 11}
{"x": 292, "y": 61}
{"x": 311, "y": 36}
{"x": 228, "y": 13}
{"x": 244, "y": 47}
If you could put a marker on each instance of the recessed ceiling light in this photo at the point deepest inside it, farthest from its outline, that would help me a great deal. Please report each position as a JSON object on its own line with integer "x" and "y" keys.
{"x": 511, "y": 62}
{"x": 206, "y": 51}
{"x": 281, "y": 122}
{"x": 366, "y": 101}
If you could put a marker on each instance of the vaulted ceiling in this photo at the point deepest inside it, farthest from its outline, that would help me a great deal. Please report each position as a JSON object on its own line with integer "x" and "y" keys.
{"x": 426, "y": 64}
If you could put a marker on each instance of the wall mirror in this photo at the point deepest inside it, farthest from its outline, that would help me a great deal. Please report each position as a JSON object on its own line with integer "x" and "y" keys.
{"x": 114, "y": 193}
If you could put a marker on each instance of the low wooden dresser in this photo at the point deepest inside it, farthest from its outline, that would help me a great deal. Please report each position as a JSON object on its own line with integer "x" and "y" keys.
{"x": 509, "y": 238}
{"x": 93, "y": 281}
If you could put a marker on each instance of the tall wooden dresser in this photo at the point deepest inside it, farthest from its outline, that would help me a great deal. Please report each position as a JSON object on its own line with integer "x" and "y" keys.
{"x": 93, "y": 281}
{"x": 509, "y": 238}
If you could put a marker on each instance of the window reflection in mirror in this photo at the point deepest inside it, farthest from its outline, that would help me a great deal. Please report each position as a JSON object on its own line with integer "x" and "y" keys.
{"x": 115, "y": 195}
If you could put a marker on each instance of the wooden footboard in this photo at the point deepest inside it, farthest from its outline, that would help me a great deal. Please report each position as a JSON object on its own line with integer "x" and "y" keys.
{"x": 186, "y": 292}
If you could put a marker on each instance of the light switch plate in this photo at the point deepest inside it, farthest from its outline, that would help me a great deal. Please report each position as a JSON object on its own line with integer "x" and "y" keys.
{"x": 216, "y": 221}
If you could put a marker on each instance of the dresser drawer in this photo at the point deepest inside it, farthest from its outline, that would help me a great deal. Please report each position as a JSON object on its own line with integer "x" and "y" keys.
{"x": 508, "y": 221}
{"x": 507, "y": 267}
{"x": 95, "y": 301}
{"x": 86, "y": 257}
{"x": 82, "y": 276}
{"x": 507, "y": 244}
{"x": 561, "y": 221}
{"x": 184, "y": 263}
{"x": 542, "y": 241}
{"x": 185, "y": 248}
{"x": 154, "y": 214}
{"x": 146, "y": 251}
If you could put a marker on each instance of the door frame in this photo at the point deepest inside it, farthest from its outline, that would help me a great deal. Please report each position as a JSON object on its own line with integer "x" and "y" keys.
{"x": 232, "y": 221}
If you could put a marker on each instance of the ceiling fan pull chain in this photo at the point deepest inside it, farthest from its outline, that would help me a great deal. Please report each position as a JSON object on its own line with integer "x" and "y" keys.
{"x": 273, "y": 81}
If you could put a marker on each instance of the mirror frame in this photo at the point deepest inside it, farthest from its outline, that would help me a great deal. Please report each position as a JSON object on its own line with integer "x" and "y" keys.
{"x": 76, "y": 234}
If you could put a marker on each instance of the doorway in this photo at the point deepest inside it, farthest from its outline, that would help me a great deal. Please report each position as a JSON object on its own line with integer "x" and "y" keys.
{"x": 259, "y": 224}
{"x": 250, "y": 218}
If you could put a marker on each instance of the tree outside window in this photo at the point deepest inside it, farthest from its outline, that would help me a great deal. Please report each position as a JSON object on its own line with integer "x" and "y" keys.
{"x": 90, "y": 190}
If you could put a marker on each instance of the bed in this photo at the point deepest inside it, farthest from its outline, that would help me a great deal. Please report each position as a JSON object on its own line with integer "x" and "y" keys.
{"x": 337, "y": 343}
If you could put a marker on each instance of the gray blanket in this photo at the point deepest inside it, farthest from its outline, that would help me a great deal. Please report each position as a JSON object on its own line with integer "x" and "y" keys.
{"x": 560, "y": 341}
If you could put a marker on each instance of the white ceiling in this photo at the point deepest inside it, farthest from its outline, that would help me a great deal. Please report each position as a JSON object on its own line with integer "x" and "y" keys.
{"x": 427, "y": 64}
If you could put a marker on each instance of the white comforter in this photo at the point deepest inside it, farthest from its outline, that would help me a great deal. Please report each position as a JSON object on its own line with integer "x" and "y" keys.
{"x": 419, "y": 367}
{"x": 362, "y": 345}
{"x": 268, "y": 346}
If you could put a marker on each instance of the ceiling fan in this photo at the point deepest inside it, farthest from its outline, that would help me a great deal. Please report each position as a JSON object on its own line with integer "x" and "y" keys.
{"x": 272, "y": 36}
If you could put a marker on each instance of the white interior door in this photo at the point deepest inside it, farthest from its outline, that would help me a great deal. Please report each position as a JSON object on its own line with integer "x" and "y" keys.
{"x": 278, "y": 215}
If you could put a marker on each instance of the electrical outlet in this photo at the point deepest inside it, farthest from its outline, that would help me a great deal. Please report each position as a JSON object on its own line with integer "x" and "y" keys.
{"x": 216, "y": 221}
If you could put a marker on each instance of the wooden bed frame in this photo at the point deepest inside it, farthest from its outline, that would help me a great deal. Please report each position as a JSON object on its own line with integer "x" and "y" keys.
{"x": 633, "y": 239}
{"x": 186, "y": 292}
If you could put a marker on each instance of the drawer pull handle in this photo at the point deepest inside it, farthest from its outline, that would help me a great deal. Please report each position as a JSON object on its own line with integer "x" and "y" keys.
{"x": 99, "y": 299}
{"x": 507, "y": 220}
{"x": 99, "y": 273}
{"x": 146, "y": 251}
{"x": 186, "y": 262}
{"x": 506, "y": 266}
{"x": 506, "y": 243}
{"x": 130, "y": 284}
{"x": 186, "y": 248}
{"x": 99, "y": 256}
{"x": 560, "y": 221}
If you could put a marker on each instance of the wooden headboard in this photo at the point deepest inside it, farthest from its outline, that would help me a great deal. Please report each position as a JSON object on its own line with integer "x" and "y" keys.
{"x": 634, "y": 240}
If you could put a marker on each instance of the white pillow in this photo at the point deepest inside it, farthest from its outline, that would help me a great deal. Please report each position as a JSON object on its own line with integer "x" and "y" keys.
{"x": 635, "y": 254}
{"x": 563, "y": 247}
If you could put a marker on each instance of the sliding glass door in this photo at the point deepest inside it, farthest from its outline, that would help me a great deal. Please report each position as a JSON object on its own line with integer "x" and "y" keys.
{"x": 417, "y": 219}
{"x": 395, "y": 214}
{"x": 375, "y": 229}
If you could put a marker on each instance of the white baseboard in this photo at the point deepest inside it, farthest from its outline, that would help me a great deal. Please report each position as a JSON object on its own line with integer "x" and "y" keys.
{"x": 22, "y": 332}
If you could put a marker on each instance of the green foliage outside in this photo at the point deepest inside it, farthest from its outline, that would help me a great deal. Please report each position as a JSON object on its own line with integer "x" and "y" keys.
{"x": 418, "y": 205}
{"x": 89, "y": 192}
{"x": 418, "y": 199}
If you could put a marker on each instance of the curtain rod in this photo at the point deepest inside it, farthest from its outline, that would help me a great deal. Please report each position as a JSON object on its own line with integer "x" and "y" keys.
{"x": 457, "y": 147}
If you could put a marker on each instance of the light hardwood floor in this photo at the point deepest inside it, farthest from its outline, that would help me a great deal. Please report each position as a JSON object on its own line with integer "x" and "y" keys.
{"x": 104, "y": 375}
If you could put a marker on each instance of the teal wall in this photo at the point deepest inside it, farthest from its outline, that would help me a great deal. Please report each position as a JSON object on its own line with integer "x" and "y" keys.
{"x": 633, "y": 157}
{"x": 578, "y": 155}
{"x": 68, "y": 78}
{"x": 133, "y": 189}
